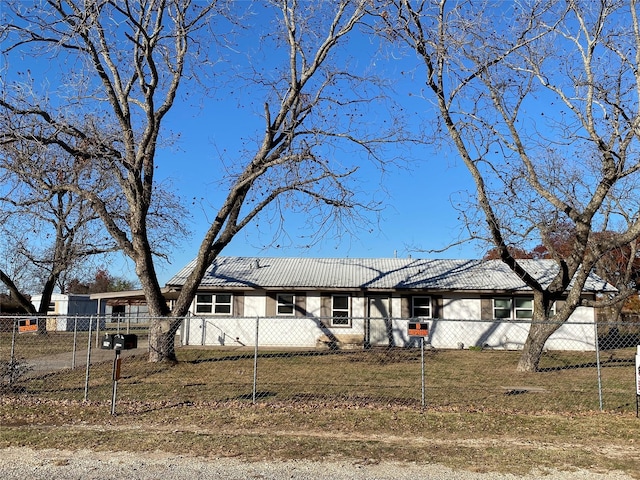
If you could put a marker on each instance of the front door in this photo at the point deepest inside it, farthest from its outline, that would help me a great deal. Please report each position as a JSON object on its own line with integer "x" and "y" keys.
{"x": 379, "y": 321}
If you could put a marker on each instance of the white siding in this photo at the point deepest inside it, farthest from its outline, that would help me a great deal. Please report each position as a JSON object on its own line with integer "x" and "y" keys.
{"x": 254, "y": 304}
{"x": 396, "y": 306}
{"x": 358, "y": 307}
{"x": 313, "y": 304}
{"x": 459, "y": 307}
{"x": 461, "y": 325}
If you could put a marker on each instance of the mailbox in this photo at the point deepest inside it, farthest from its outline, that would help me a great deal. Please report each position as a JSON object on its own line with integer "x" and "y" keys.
{"x": 125, "y": 342}
{"x": 107, "y": 341}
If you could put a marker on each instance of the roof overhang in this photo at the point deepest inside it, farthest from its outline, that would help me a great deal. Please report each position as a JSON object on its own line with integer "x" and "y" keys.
{"x": 133, "y": 297}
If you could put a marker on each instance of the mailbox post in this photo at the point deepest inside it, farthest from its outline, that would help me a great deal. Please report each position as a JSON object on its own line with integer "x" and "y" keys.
{"x": 117, "y": 362}
{"x": 421, "y": 330}
{"x": 120, "y": 342}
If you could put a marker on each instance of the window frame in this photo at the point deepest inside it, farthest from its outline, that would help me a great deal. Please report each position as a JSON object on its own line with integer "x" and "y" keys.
{"x": 280, "y": 304}
{"x": 201, "y": 303}
{"x": 414, "y": 307}
{"x": 513, "y": 308}
{"x": 495, "y": 308}
{"x": 346, "y": 311}
{"x": 517, "y": 308}
{"x": 210, "y": 307}
{"x": 217, "y": 304}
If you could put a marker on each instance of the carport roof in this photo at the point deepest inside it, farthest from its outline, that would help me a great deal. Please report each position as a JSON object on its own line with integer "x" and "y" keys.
{"x": 373, "y": 273}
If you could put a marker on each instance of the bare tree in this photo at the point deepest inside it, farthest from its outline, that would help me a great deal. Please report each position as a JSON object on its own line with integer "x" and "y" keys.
{"x": 130, "y": 60}
{"x": 48, "y": 231}
{"x": 540, "y": 101}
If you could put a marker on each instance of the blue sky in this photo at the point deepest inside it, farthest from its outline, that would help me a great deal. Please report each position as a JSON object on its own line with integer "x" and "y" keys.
{"x": 417, "y": 217}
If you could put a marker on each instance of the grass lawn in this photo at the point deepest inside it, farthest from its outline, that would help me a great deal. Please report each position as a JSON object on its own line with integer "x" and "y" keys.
{"x": 480, "y": 413}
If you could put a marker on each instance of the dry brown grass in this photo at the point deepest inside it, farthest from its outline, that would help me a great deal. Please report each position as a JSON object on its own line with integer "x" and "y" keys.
{"x": 477, "y": 440}
{"x": 481, "y": 414}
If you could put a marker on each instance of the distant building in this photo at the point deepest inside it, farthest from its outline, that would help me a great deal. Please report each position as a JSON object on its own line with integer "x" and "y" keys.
{"x": 120, "y": 306}
{"x": 65, "y": 309}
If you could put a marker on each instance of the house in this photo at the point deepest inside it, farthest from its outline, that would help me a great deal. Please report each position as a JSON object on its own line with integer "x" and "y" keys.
{"x": 311, "y": 302}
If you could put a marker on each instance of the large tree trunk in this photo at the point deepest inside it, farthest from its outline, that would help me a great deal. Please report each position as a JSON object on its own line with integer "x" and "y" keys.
{"x": 162, "y": 337}
{"x": 533, "y": 348}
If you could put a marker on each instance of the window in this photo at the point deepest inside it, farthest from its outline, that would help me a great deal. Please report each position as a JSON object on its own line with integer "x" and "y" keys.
{"x": 222, "y": 304}
{"x": 340, "y": 310}
{"x": 520, "y": 308}
{"x": 501, "y": 308}
{"x": 218, "y": 304}
{"x": 421, "y": 307}
{"x": 524, "y": 308}
{"x": 204, "y": 303}
{"x": 285, "y": 304}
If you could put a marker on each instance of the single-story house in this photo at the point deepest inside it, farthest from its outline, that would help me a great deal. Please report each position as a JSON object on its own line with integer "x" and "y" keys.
{"x": 310, "y": 302}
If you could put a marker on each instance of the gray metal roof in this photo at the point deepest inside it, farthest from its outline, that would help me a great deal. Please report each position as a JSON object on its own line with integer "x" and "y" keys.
{"x": 372, "y": 273}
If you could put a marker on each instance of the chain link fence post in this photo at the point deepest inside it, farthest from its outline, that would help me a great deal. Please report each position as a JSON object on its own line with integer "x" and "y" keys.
{"x": 598, "y": 365}
{"x": 328, "y": 359}
{"x": 75, "y": 340}
{"x": 255, "y": 363}
{"x": 86, "y": 378}
{"x": 12, "y": 356}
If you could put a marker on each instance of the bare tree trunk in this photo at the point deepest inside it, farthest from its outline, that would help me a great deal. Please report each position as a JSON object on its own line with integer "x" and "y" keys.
{"x": 16, "y": 294}
{"x": 533, "y": 348}
{"x": 45, "y": 300}
{"x": 162, "y": 336}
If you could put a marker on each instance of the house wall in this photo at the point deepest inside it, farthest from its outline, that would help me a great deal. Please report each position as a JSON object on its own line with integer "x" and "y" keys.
{"x": 254, "y": 304}
{"x": 461, "y": 326}
{"x": 458, "y": 306}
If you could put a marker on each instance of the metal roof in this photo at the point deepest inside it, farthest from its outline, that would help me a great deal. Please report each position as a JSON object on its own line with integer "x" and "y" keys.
{"x": 373, "y": 273}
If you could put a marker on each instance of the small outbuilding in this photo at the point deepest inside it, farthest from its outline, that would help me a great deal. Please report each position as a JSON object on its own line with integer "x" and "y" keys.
{"x": 67, "y": 312}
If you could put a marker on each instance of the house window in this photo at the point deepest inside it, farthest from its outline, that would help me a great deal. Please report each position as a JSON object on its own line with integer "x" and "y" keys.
{"x": 523, "y": 308}
{"x": 520, "y": 308}
{"x": 218, "y": 304}
{"x": 340, "y": 311}
{"x": 421, "y": 307}
{"x": 222, "y": 305}
{"x": 501, "y": 308}
{"x": 285, "y": 304}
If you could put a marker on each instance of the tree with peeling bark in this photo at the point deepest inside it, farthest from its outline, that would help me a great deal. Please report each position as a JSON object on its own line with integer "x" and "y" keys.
{"x": 541, "y": 101}
{"x": 130, "y": 60}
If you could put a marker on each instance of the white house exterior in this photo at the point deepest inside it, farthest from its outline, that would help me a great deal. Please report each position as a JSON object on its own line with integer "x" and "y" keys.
{"x": 312, "y": 302}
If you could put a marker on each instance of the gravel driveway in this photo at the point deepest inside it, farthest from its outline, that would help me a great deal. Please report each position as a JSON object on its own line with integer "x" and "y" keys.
{"x": 24, "y": 463}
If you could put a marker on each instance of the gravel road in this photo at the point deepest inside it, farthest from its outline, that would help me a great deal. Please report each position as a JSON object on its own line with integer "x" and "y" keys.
{"x": 24, "y": 463}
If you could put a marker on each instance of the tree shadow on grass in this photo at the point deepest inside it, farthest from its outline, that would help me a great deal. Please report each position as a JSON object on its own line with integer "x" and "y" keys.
{"x": 284, "y": 354}
{"x": 611, "y": 362}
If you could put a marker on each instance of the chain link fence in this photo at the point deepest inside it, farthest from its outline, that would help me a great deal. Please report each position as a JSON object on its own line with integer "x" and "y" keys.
{"x": 456, "y": 365}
